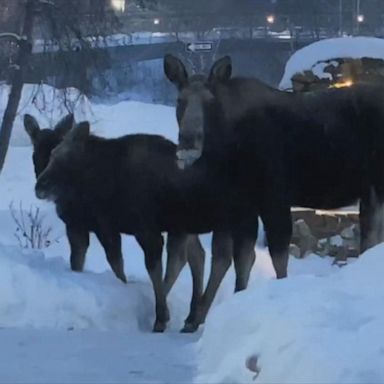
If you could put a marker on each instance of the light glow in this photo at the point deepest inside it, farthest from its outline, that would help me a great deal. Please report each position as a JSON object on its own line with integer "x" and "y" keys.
{"x": 270, "y": 19}
{"x": 118, "y": 5}
{"x": 343, "y": 84}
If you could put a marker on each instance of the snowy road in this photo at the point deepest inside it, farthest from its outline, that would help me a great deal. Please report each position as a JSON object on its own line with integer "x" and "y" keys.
{"x": 95, "y": 357}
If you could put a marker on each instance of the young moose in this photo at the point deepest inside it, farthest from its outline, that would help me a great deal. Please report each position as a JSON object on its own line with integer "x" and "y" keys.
{"x": 84, "y": 212}
{"x": 275, "y": 149}
{"x": 44, "y": 141}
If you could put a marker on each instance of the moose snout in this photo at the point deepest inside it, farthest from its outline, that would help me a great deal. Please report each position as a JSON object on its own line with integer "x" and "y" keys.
{"x": 189, "y": 149}
{"x": 187, "y": 140}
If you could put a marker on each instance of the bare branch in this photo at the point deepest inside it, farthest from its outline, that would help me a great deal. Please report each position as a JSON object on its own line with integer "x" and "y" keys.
{"x": 31, "y": 231}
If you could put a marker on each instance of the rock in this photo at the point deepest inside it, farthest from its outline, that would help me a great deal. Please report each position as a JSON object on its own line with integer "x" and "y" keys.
{"x": 325, "y": 233}
{"x": 303, "y": 238}
{"x": 294, "y": 250}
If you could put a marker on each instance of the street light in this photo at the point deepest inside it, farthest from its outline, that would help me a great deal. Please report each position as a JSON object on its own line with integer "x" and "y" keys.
{"x": 270, "y": 19}
{"x": 118, "y": 5}
{"x": 156, "y": 21}
{"x": 360, "y": 18}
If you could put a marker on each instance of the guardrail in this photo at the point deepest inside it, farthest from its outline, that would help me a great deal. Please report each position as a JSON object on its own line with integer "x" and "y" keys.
{"x": 150, "y": 38}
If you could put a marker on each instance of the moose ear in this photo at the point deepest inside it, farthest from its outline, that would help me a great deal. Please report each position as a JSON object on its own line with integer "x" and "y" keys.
{"x": 221, "y": 70}
{"x": 79, "y": 132}
{"x": 65, "y": 125}
{"x": 175, "y": 71}
{"x": 31, "y": 127}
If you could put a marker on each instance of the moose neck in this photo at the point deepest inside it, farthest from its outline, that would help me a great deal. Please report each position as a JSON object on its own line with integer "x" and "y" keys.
{"x": 239, "y": 95}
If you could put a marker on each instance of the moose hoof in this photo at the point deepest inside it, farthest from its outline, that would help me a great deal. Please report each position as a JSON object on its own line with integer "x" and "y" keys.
{"x": 123, "y": 279}
{"x": 159, "y": 327}
{"x": 190, "y": 328}
{"x": 76, "y": 268}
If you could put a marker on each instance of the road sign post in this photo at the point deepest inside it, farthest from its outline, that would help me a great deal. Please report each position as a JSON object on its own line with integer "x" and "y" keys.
{"x": 201, "y": 46}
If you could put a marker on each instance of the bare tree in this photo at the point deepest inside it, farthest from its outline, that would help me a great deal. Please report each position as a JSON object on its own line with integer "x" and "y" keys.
{"x": 75, "y": 29}
{"x": 79, "y": 32}
{"x": 17, "y": 77}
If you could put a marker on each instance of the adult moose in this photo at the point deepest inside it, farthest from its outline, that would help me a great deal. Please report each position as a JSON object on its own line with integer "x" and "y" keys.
{"x": 80, "y": 216}
{"x": 319, "y": 150}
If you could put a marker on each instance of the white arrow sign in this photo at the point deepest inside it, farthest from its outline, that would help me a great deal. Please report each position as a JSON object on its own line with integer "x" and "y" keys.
{"x": 199, "y": 47}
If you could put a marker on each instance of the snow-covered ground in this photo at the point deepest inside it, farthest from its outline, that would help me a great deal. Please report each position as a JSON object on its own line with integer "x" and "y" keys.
{"x": 308, "y": 58}
{"x": 305, "y": 329}
{"x": 320, "y": 325}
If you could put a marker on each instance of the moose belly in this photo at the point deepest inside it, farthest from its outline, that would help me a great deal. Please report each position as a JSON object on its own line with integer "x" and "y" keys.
{"x": 329, "y": 191}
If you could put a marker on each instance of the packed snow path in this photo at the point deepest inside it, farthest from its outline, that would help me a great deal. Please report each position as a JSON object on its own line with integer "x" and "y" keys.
{"x": 86, "y": 356}
{"x": 57, "y": 326}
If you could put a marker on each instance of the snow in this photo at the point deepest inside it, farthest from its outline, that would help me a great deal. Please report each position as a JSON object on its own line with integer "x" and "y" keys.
{"x": 319, "y": 325}
{"x": 95, "y": 357}
{"x": 328, "y": 49}
{"x": 67, "y": 327}
{"x": 49, "y": 104}
{"x": 317, "y": 329}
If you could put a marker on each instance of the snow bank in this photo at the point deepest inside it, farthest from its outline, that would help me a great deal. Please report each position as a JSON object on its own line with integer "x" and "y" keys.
{"x": 43, "y": 293}
{"x": 304, "y": 329}
{"x": 328, "y": 49}
{"x": 48, "y": 104}
{"x": 38, "y": 290}
{"x": 134, "y": 117}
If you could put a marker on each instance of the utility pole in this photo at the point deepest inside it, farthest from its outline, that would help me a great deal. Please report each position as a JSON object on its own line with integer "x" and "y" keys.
{"x": 340, "y": 17}
{"x": 359, "y": 17}
{"x": 17, "y": 78}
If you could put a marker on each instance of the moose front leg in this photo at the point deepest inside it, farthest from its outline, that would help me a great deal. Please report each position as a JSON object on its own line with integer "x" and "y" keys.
{"x": 152, "y": 245}
{"x": 111, "y": 242}
{"x": 182, "y": 248}
{"x": 196, "y": 261}
{"x": 79, "y": 242}
{"x": 222, "y": 250}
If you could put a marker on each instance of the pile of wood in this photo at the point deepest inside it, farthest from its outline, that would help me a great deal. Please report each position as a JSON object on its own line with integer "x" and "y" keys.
{"x": 340, "y": 72}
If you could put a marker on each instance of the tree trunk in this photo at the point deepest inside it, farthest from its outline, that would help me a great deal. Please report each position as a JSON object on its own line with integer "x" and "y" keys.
{"x": 17, "y": 80}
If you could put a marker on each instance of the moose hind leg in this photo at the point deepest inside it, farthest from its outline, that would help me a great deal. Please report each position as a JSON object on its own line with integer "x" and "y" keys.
{"x": 278, "y": 228}
{"x": 222, "y": 250}
{"x": 370, "y": 220}
{"x": 244, "y": 253}
{"x": 152, "y": 245}
{"x": 78, "y": 241}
